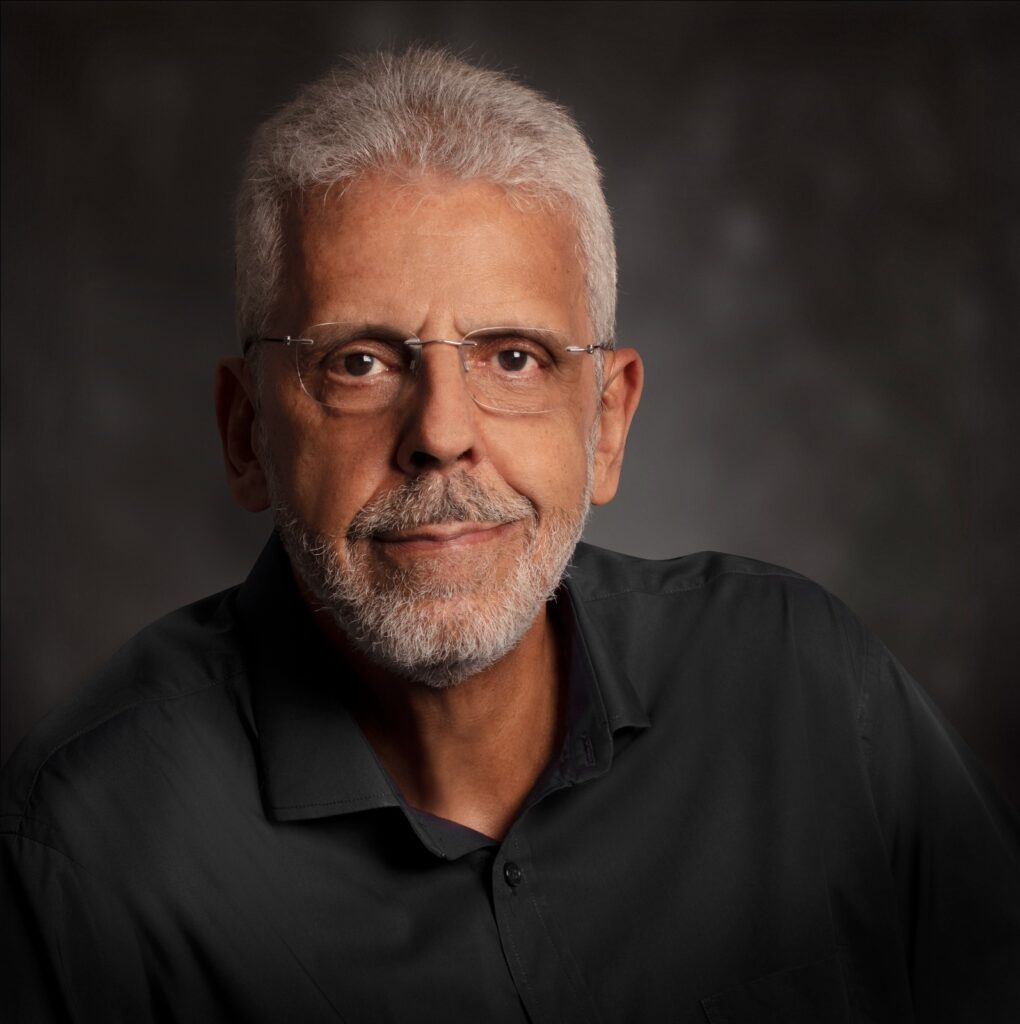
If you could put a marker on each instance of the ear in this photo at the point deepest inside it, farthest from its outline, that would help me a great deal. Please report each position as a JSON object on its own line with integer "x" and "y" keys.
{"x": 236, "y": 417}
{"x": 625, "y": 375}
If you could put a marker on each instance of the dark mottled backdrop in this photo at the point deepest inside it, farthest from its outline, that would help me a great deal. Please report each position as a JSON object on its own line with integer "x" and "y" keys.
{"x": 817, "y": 211}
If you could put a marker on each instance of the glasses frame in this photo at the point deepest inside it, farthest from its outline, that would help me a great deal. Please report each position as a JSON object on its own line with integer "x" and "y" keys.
{"x": 416, "y": 344}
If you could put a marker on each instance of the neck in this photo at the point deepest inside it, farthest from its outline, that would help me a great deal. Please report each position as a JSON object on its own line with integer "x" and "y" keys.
{"x": 470, "y": 752}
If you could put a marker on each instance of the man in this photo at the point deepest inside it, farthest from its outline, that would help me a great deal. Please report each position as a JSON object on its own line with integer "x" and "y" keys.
{"x": 416, "y": 768}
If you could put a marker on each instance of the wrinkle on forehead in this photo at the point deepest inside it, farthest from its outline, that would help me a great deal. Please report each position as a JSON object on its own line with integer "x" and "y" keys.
{"x": 450, "y": 259}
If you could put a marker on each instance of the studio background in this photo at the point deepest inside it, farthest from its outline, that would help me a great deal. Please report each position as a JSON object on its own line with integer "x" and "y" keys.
{"x": 819, "y": 241}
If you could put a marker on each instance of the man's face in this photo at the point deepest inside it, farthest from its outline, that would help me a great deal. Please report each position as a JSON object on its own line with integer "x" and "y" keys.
{"x": 440, "y": 516}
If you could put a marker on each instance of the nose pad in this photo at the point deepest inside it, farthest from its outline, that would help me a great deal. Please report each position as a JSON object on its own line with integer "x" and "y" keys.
{"x": 419, "y": 353}
{"x": 418, "y": 360}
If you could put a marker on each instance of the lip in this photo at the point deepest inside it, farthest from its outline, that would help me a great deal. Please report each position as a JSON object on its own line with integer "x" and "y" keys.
{"x": 439, "y": 535}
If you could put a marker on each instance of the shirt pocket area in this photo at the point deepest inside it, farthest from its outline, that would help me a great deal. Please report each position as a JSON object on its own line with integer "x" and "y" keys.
{"x": 813, "y": 993}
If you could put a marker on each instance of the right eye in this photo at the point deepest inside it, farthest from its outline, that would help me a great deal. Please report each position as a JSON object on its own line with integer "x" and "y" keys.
{"x": 359, "y": 360}
{"x": 361, "y": 364}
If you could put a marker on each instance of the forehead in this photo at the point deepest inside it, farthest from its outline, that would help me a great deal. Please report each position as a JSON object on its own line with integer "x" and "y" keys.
{"x": 431, "y": 249}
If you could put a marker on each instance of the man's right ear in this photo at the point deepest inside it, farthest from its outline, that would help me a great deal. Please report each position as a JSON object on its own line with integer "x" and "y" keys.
{"x": 236, "y": 417}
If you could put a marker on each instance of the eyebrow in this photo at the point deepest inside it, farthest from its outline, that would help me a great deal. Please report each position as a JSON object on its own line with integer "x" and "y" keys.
{"x": 394, "y": 335}
{"x": 541, "y": 335}
{"x": 366, "y": 329}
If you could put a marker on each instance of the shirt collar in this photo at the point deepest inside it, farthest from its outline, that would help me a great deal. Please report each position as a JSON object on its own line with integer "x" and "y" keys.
{"x": 623, "y": 709}
{"x": 314, "y": 759}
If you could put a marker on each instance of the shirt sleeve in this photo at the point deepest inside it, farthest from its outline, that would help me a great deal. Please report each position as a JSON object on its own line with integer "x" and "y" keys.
{"x": 69, "y": 951}
{"x": 953, "y": 844}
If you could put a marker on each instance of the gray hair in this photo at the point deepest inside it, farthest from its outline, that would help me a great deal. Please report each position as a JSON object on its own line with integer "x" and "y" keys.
{"x": 420, "y": 110}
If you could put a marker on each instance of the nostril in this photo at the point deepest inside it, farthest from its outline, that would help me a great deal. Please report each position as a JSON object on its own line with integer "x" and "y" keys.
{"x": 426, "y": 460}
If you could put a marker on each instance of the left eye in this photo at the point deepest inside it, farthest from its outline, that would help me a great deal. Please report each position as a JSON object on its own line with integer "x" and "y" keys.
{"x": 362, "y": 364}
{"x": 514, "y": 360}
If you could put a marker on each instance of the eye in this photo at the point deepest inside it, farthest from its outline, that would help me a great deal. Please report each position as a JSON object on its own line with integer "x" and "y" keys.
{"x": 514, "y": 360}
{"x": 512, "y": 354}
{"x": 359, "y": 360}
{"x": 361, "y": 364}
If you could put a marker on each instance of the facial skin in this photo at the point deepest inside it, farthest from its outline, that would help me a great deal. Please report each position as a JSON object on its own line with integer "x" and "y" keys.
{"x": 437, "y": 258}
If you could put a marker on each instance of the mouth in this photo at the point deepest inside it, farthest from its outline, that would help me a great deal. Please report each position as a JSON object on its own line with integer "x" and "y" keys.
{"x": 438, "y": 536}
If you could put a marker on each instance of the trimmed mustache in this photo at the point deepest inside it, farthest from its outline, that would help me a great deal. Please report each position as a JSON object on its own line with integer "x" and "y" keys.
{"x": 431, "y": 498}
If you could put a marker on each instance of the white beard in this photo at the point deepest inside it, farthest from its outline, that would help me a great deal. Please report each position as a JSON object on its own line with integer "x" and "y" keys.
{"x": 412, "y": 621}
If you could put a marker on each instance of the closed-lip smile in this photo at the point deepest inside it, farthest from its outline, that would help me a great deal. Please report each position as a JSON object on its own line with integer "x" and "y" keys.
{"x": 444, "y": 533}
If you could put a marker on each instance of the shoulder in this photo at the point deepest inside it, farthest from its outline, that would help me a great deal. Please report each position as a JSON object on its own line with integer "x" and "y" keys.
{"x": 707, "y": 578}
{"x": 162, "y": 681}
{"x": 601, "y": 573}
{"x": 724, "y": 613}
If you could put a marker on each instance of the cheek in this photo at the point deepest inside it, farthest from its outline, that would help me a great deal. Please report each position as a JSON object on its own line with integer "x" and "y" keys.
{"x": 326, "y": 470}
{"x": 545, "y": 460}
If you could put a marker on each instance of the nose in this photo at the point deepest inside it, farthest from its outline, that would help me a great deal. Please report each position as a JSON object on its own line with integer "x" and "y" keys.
{"x": 440, "y": 428}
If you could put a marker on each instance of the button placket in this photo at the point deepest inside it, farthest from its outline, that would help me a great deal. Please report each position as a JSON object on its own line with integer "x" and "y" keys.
{"x": 541, "y": 964}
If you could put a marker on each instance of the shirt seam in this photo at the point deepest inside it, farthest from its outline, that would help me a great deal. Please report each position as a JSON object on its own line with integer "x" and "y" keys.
{"x": 92, "y": 727}
{"x": 863, "y": 711}
{"x": 511, "y": 938}
{"x": 17, "y": 819}
{"x": 568, "y": 965}
{"x": 697, "y": 586}
{"x": 55, "y": 849}
{"x": 332, "y": 803}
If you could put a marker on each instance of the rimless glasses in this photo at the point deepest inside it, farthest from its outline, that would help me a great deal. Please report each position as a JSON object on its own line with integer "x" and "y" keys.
{"x": 363, "y": 368}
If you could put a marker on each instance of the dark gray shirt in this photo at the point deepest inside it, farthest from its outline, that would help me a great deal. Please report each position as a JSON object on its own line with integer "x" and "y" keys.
{"x": 756, "y": 816}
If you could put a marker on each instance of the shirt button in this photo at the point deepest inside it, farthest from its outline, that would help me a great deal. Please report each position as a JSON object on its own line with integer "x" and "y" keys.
{"x": 512, "y": 873}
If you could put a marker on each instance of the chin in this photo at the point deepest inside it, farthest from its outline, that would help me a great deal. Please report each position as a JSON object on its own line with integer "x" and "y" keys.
{"x": 433, "y": 629}
{"x": 441, "y": 618}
